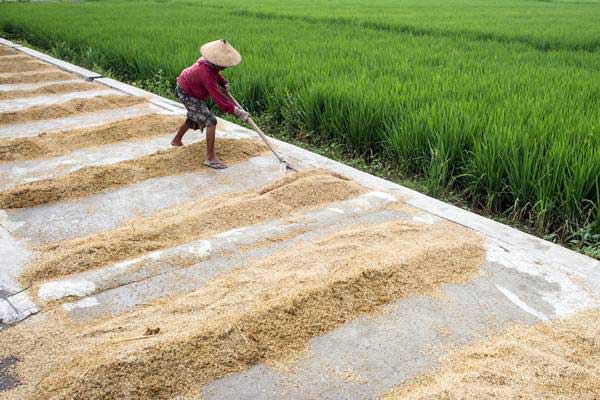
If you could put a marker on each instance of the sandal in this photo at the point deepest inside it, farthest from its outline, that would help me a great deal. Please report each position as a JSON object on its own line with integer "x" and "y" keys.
{"x": 215, "y": 164}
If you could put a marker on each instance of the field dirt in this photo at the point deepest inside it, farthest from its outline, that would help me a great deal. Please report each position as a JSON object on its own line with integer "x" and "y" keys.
{"x": 21, "y": 65}
{"x": 54, "y": 75}
{"x": 264, "y": 311}
{"x": 189, "y": 222}
{"x": 58, "y": 143}
{"x": 90, "y": 180}
{"x": 51, "y": 89}
{"x": 554, "y": 360}
{"x": 68, "y": 108}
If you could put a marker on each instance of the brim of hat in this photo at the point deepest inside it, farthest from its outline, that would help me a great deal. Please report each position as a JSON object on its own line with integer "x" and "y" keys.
{"x": 220, "y": 55}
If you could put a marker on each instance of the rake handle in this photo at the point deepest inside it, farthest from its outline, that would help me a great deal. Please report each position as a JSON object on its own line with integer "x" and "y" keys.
{"x": 264, "y": 138}
{"x": 256, "y": 128}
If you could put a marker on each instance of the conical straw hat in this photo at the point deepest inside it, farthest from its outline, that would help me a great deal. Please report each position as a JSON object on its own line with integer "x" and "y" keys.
{"x": 220, "y": 53}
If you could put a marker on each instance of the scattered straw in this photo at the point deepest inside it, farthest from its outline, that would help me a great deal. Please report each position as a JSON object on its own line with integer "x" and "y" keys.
{"x": 71, "y": 107}
{"x": 189, "y": 222}
{"x": 554, "y": 360}
{"x": 51, "y": 89}
{"x": 95, "y": 179}
{"x": 21, "y": 66}
{"x": 263, "y": 311}
{"x": 55, "y": 75}
{"x": 55, "y": 144}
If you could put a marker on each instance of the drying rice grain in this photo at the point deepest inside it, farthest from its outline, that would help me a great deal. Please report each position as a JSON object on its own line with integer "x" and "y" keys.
{"x": 54, "y": 75}
{"x": 6, "y": 51}
{"x": 95, "y": 179}
{"x": 50, "y": 89}
{"x": 21, "y": 66}
{"x": 554, "y": 360}
{"x": 58, "y": 143}
{"x": 71, "y": 107}
{"x": 260, "y": 312}
{"x": 189, "y": 222}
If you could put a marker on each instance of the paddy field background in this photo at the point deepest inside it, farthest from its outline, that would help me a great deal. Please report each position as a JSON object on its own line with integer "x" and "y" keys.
{"x": 494, "y": 102}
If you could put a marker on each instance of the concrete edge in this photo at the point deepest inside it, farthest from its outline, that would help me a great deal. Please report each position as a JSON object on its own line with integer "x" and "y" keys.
{"x": 9, "y": 43}
{"x": 549, "y": 252}
{"x": 135, "y": 91}
{"x": 504, "y": 233}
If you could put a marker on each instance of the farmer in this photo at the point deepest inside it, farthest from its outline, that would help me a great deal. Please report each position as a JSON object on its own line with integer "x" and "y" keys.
{"x": 200, "y": 81}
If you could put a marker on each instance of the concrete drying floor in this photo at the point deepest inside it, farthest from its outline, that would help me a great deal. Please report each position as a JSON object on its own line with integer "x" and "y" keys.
{"x": 523, "y": 279}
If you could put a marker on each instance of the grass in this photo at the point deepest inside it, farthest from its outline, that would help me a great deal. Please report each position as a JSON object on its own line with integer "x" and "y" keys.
{"x": 497, "y": 102}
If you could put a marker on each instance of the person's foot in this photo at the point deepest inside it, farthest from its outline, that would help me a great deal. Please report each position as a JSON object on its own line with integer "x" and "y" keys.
{"x": 176, "y": 142}
{"x": 215, "y": 163}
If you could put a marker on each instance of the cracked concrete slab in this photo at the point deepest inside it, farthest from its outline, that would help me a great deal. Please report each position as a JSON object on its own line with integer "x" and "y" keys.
{"x": 8, "y": 87}
{"x": 24, "y": 103}
{"x": 107, "y": 210}
{"x": 366, "y": 357}
{"x": 86, "y": 120}
{"x": 180, "y": 281}
{"x": 15, "y": 302}
{"x": 21, "y": 172}
{"x": 218, "y": 253}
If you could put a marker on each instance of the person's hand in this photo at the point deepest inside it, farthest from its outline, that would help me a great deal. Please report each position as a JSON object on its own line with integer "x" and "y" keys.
{"x": 241, "y": 114}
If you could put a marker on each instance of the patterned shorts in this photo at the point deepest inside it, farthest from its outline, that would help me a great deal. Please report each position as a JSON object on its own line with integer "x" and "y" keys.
{"x": 198, "y": 114}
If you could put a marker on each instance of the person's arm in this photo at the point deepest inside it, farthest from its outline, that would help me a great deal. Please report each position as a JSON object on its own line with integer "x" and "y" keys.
{"x": 222, "y": 82}
{"x": 214, "y": 90}
{"x": 222, "y": 100}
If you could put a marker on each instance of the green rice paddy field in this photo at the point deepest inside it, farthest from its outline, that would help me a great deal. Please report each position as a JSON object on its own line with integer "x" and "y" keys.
{"x": 497, "y": 100}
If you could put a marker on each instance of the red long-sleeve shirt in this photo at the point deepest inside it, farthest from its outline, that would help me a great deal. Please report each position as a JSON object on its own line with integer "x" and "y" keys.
{"x": 202, "y": 81}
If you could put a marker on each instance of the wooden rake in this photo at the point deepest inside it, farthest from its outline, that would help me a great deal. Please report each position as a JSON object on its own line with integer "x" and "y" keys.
{"x": 260, "y": 133}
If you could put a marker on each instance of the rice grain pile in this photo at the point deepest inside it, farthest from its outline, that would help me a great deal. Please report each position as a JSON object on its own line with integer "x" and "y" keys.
{"x": 54, "y": 88}
{"x": 5, "y": 51}
{"x": 53, "y": 75}
{"x": 68, "y": 108}
{"x": 95, "y": 179}
{"x": 190, "y": 221}
{"x": 554, "y": 360}
{"x": 14, "y": 56}
{"x": 21, "y": 66}
{"x": 58, "y": 143}
{"x": 264, "y": 311}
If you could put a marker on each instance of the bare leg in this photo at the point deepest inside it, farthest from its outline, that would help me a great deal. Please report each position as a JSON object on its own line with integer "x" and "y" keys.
{"x": 180, "y": 132}
{"x": 211, "y": 156}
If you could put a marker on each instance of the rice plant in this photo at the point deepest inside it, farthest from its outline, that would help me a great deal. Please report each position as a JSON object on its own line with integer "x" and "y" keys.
{"x": 496, "y": 100}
